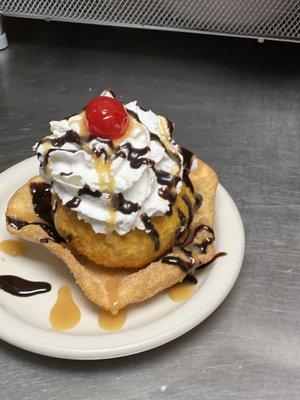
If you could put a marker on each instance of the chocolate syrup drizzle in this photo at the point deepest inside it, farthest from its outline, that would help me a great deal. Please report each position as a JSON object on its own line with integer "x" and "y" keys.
{"x": 125, "y": 206}
{"x": 69, "y": 137}
{"x": 170, "y": 126}
{"x": 102, "y": 151}
{"x": 202, "y": 247}
{"x": 133, "y": 114}
{"x": 46, "y": 158}
{"x": 182, "y": 219}
{"x": 65, "y": 173}
{"x": 156, "y": 138}
{"x": 198, "y": 201}
{"x": 49, "y": 229}
{"x": 168, "y": 195}
{"x": 42, "y": 205}
{"x": 165, "y": 178}
{"x": 188, "y": 202}
{"x": 22, "y": 287}
{"x": 187, "y": 164}
{"x": 151, "y": 230}
{"x": 190, "y": 267}
{"x": 87, "y": 190}
{"x": 73, "y": 203}
{"x": 174, "y": 156}
{"x": 134, "y": 156}
{"x": 41, "y": 199}
{"x": 169, "y": 191}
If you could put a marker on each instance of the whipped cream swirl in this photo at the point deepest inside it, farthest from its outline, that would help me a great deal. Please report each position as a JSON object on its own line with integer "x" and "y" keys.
{"x": 115, "y": 185}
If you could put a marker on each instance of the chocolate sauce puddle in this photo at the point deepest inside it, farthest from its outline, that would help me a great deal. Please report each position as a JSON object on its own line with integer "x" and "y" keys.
{"x": 22, "y": 287}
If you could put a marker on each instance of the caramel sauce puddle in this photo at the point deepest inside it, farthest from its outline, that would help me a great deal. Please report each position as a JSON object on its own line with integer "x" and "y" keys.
{"x": 12, "y": 248}
{"x": 110, "y": 322}
{"x": 181, "y": 291}
{"x": 64, "y": 314}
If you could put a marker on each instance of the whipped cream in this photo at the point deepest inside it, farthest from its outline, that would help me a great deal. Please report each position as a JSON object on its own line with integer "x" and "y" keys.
{"x": 113, "y": 185}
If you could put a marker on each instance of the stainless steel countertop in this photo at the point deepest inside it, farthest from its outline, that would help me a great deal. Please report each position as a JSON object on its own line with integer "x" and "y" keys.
{"x": 236, "y": 104}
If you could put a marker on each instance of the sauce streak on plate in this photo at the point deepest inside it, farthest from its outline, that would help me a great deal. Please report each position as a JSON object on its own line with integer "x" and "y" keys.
{"x": 110, "y": 322}
{"x": 64, "y": 314}
{"x": 182, "y": 291}
{"x": 12, "y": 248}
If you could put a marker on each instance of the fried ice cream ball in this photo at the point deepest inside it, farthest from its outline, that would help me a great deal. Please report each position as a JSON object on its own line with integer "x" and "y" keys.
{"x": 133, "y": 250}
{"x": 133, "y": 285}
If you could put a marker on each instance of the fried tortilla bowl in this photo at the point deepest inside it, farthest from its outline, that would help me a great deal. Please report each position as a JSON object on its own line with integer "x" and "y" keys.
{"x": 110, "y": 288}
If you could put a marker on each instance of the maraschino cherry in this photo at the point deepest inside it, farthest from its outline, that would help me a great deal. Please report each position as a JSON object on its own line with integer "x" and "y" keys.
{"x": 106, "y": 117}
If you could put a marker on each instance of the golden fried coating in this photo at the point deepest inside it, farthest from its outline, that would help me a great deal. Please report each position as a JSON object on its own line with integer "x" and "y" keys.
{"x": 133, "y": 250}
{"x": 114, "y": 289}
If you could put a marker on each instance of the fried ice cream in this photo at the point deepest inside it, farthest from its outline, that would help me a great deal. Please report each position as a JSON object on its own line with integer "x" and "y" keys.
{"x": 135, "y": 249}
{"x": 119, "y": 202}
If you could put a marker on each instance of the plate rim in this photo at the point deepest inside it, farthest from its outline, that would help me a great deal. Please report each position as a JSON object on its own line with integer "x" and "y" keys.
{"x": 15, "y": 325}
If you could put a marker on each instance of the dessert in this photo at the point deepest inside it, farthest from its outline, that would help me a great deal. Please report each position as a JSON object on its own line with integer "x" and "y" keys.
{"x": 127, "y": 209}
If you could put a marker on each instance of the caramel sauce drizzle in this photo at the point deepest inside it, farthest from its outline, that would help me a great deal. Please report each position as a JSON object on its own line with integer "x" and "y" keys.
{"x": 112, "y": 287}
{"x": 105, "y": 178}
{"x": 114, "y": 320}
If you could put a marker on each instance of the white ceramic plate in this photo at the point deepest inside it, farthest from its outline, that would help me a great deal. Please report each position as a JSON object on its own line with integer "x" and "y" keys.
{"x": 24, "y": 322}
